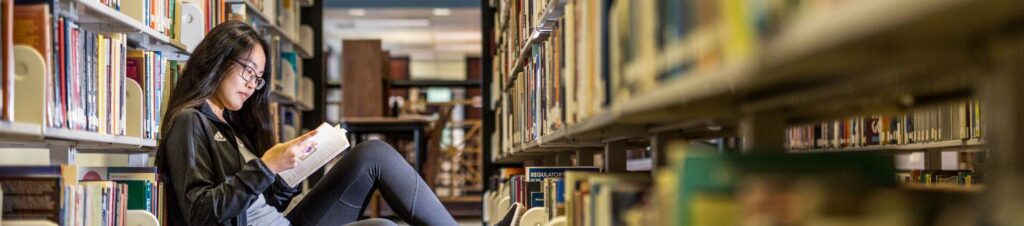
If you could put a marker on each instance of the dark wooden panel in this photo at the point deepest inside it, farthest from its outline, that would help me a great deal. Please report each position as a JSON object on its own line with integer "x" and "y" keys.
{"x": 399, "y": 72}
{"x": 363, "y": 78}
{"x": 473, "y": 72}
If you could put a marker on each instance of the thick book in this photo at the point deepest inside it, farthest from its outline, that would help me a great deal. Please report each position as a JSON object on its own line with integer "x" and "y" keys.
{"x": 539, "y": 173}
{"x": 330, "y": 141}
{"x": 6, "y": 60}
{"x": 33, "y": 192}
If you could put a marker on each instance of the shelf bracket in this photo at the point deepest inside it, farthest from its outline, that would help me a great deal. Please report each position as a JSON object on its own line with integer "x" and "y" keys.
{"x": 62, "y": 154}
{"x": 615, "y": 156}
{"x": 585, "y": 157}
{"x": 763, "y": 132}
{"x": 659, "y": 147}
{"x": 563, "y": 159}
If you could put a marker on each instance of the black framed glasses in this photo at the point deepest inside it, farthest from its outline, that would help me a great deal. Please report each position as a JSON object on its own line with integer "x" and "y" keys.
{"x": 249, "y": 74}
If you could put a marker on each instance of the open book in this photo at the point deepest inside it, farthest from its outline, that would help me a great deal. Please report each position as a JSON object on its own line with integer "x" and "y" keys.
{"x": 330, "y": 141}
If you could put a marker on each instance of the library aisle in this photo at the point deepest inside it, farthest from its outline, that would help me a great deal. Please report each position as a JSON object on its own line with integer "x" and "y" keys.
{"x": 514, "y": 112}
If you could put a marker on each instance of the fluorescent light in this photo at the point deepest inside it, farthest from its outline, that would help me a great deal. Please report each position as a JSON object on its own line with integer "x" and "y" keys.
{"x": 357, "y": 12}
{"x": 391, "y": 23}
{"x": 442, "y": 12}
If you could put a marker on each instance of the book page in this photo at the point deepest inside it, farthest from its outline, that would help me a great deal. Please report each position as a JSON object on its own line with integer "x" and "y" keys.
{"x": 331, "y": 141}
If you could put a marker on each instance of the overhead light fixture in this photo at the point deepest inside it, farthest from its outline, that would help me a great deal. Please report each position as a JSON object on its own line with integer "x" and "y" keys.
{"x": 442, "y": 12}
{"x": 357, "y": 12}
{"x": 391, "y": 23}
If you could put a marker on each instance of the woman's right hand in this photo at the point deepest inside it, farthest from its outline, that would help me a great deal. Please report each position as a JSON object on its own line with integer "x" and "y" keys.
{"x": 284, "y": 156}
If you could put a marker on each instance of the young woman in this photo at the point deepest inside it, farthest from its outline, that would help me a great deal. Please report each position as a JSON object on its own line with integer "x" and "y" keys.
{"x": 218, "y": 157}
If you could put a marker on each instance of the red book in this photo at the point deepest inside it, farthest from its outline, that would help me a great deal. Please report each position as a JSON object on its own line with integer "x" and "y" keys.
{"x": 6, "y": 70}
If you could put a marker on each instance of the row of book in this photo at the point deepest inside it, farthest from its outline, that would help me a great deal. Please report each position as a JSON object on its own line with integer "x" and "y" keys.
{"x": 86, "y": 74}
{"x": 154, "y": 73}
{"x": 215, "y": 12}
{"x": 701, "y": 187}
{"x": 946, "y": 122}
{"x": 570, "y": 195}
{"x": 87, "y": 84}
{"x": 937, "y": 177}
{"x": 70, "y": 195}
{"x": 600, "y": 53}
{"x": 163, "y": 16}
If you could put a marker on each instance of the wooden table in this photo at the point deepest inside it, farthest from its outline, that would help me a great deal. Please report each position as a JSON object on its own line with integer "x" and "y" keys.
{"x": 359, "y": 126}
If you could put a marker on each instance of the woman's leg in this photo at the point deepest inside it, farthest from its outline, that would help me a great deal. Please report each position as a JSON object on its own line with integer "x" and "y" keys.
{"x": 341, "y": 194}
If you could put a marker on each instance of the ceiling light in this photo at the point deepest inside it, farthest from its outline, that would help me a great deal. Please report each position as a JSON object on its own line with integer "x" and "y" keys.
{"x": 442, "y": 12}
{"x": 391, "y": 23}
{"x": 357, "y": 12}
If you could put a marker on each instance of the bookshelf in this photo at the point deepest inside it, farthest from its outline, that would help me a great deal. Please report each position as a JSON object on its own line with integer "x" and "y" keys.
{"x": 774, "y": 67}
{"x": 272, "y": 27}
{"x": 859, "y": 58}
{"x": 142, "y": 53}
{"x": 96, "y": 16}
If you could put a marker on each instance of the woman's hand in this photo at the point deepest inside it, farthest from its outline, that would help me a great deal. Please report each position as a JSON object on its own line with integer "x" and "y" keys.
{"x": 284, "y": 156}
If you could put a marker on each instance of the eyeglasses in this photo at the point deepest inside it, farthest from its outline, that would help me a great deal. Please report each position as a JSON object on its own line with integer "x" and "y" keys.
{"x": 249, "y": 74}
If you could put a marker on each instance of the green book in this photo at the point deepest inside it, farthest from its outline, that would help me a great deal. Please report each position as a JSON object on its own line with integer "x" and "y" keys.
{"x": 140, "y": 194}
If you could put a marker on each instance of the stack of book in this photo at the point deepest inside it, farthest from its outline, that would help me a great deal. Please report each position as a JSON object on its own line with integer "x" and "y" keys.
{"x": 154, "y": 73}
{"x": 86, "y": 72}
{"x": 160, "y": 15}
{"x": 946, "y": 122}
{"x": 80, "y": 196}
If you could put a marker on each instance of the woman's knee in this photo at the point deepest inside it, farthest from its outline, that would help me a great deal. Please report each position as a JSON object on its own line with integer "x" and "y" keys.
{"x": 375, "y": 150}
{"x": 372, "y": 222}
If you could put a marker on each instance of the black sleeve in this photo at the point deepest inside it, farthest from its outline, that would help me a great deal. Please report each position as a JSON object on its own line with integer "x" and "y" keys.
{"x": 280, "y": 194}
{"x": 202, "y": 200}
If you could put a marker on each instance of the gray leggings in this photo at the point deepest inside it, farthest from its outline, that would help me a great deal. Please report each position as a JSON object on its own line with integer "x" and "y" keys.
{"x": 342, "y": 194}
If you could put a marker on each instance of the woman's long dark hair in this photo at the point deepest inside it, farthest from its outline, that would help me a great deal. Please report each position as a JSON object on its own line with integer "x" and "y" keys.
{"x": 210, "y": 64}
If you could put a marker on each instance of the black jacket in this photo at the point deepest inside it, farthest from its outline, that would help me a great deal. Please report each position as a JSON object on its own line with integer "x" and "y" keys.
{"x": 210, "y": 182}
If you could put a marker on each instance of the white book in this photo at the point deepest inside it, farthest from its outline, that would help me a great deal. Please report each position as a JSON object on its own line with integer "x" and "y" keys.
{"x": 330, "y": 141}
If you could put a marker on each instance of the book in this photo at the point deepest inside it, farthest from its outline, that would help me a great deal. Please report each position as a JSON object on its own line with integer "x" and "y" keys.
{"x": 539, "y": 173}
{"x": 32, "y": 27}
{"x": 38, "y": 192}
{"x": 951, "y": 122}
{"x": 330, "y": 141}
{"x": 6, "y": 60}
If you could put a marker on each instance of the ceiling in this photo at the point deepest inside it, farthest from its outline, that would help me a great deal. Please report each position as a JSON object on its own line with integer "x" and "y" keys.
{"x": 401, "y": 3}
{"x": 422, "y": 32}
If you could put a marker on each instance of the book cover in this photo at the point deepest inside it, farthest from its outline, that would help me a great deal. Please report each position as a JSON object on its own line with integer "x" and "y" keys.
{"x": 139, "y": 194}
{"x": 32, "y": 192}
{"x": 132, "y": 173}
{"x": 541, "y": 173}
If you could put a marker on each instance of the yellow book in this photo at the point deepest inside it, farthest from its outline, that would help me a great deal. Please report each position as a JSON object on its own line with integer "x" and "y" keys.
{"x": 134, "y": 9}
{"x": 103, "y": 99}
{"x": 571, "y": 81}
{"x": 740, "y": 40}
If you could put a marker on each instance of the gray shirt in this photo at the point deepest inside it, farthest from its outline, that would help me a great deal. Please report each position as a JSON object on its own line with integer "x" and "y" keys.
{"x": 259, "y": 213}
